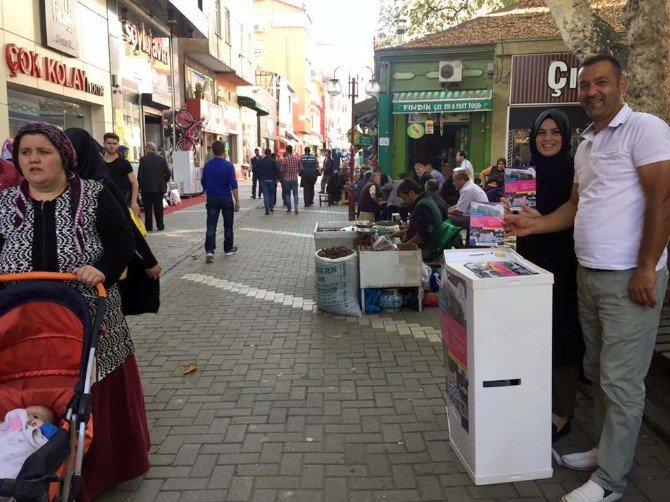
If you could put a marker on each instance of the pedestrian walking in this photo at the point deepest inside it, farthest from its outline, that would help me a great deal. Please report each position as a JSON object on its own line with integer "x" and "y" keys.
{"x": 309, "y": 168}
{"x": 620, "y": 282}
{"x": 153, "y": 175}
{"x": 289, "y": 167}
{"x": 220, "y": 185}
{"x": 268, "y": 174}
{"x": 121, "y": 171}
{"x": 254, "y": 176}
{"x": 464, "y": 163}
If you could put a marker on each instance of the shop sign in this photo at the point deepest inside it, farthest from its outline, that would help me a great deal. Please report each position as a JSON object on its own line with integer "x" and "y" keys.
{"x": 544, "y": 78}
{"x": 365, "y": 141}
{"x": 464, "y": 105}
{"x": 20, "y": 60}
{"x": 415, "y": 131}
{"x": 61, "y": 26}
{"x": 141, "y": 40}
{"x": 429, "y": 126}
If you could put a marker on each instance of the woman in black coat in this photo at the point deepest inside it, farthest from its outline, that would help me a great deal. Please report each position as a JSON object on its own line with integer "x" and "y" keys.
{"x": 555, "y": 252}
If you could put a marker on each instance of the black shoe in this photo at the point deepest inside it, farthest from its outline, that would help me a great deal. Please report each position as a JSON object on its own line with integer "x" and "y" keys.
{"x": 253, "y": 196}
{"x": 272, "y": 210}
{"x": 556, "y": 434}
{"x": 288, "y": 210}
{"x": 231, "y": 251}
{"x": 267, "y": 212}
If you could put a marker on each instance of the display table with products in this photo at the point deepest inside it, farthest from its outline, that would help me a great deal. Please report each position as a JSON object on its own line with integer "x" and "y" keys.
{"x": 330, "y": 233}
{"x": 495, "y": 316}
{"x": 390, "y": 269}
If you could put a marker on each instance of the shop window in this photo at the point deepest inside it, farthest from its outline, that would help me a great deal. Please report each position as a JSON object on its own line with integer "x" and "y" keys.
{"x": 24, "y": 108}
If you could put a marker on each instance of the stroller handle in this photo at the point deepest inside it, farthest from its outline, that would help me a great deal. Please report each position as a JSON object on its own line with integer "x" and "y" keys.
{"x": 49, "y": 276}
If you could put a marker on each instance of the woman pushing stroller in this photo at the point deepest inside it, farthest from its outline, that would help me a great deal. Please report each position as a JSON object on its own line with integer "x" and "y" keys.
{"x": 55, "y": 221}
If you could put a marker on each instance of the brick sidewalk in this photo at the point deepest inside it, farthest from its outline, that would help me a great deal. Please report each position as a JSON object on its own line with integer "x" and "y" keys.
{"x": 288, "y": 404}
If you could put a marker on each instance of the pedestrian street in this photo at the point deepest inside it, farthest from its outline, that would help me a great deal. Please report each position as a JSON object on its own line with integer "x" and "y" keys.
{"x": 288, "y": 403}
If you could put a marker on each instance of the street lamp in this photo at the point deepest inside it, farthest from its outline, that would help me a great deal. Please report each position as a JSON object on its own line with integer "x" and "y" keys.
{"x": 372, "y": 89}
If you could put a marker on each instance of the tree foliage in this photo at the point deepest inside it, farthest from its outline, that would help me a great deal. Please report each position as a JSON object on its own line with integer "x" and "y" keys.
{"x": 422, "y": 17}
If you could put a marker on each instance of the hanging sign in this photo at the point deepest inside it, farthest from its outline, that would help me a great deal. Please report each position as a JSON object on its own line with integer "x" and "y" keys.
{"x": 429, "y": 126}
{"x": 365, "y": 141}
{"x": 416, "y": 131}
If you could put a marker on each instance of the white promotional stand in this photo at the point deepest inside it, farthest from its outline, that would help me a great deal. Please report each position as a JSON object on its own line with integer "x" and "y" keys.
{"x": 496, "y": 332}
{"x": 185, "y": 173}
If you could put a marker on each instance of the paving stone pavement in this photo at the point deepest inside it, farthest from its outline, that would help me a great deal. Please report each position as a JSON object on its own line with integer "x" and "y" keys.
{"x": 291, "y": 404}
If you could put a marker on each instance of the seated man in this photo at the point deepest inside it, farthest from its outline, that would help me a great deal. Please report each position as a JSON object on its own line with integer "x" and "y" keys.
{"x": 459, "y": 214}
{"x": 425, "y": 221}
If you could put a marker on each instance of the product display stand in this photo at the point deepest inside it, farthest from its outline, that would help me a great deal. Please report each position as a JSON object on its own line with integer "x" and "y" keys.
{"x": 390, "y": 269}
{"x": 496, "y": 331}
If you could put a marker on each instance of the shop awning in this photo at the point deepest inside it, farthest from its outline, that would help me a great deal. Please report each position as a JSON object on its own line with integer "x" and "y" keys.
{"x": 291, "y": 136}
{"x": 253, "y": 104}
{"x": 478, "y": 100}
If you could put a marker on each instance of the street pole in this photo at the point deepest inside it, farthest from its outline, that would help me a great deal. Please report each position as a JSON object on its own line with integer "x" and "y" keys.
{"x": 352, "y": 203}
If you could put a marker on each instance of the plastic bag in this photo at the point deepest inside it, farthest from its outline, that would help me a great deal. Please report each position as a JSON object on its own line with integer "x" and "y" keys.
{"x": 175, "y": 198}
{"x": 425, "y": 276}
{"x": 336, "y": 288}
{"x": 138, "y": 222}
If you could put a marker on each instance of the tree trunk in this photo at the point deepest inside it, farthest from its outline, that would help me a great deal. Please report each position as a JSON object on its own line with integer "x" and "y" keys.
{"x": 648, "y": 69}
{"x": 644, "y": 49}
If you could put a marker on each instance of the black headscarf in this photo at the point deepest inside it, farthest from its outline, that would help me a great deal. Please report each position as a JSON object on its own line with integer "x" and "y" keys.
{"x": 90, "y": 164}
{"x": 555, "y": 175}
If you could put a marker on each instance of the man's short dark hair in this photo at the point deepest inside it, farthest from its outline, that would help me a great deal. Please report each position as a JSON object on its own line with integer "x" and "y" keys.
{"x": 218, "y": 148}
{"x": 111, "y": 135}
{"x": 432, "y": 185}
{"x": 599, "y": 58}
{"x": 255, "y": 150}
{"x": 406, "y": 186}
{"x": 289, "y": 149}
{"x": 402, "y": 176}
{"x": 307, "y": 150}
{"x": 268, "y": 151}
{"x": 462, "y": 154}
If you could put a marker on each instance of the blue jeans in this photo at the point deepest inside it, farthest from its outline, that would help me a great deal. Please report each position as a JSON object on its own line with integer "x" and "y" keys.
{"x": 227, "y": 208}
{"x": 291, "y": 186}
{"x": 268, "y": 188}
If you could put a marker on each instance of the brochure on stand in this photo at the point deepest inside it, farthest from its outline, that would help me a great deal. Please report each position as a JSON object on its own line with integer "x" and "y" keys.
{"x": 486, "y": 224}
{"x": 520, "y": 187}
{"x": 494, "y": 269}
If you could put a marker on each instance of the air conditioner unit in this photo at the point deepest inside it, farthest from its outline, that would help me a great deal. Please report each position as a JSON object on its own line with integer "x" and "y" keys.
{"x": 451, "y": 71}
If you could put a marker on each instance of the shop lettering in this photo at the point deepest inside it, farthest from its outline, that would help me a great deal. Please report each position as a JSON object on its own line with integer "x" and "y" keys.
{"x": 558, "y": 75}
{"x": 455, "y": 106}
{"x": 20, "y": 60}
{"x": 142, "y": 40}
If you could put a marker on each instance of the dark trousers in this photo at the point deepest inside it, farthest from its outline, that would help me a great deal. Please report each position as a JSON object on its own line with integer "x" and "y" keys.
{"x": 268, "y": 187}
{"x": 226, "y": 207}
{"x": 308, "y": 182}
{"x": 254, "y": 181}
{"x": 274, "y": 193}
{"x": 153, "y": 204}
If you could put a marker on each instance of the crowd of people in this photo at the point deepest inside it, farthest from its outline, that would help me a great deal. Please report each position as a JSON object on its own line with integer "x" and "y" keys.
{"x": 601, "y": 227}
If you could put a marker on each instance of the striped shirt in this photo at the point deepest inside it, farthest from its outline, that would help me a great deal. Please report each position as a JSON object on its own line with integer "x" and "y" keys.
{"x": 289, "y": 167}
{"x": 309, "y": 162}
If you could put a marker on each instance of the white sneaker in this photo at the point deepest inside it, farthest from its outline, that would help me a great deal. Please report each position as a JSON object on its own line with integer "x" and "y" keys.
{"x": 591, "y": 492}
{"x": 584, "y": 461}
{"x": 209, "y": 258}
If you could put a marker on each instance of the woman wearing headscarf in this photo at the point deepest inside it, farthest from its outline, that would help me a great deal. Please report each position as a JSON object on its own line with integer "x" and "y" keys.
{"x": 140, "y": 290}
{"x": 55, "y": 221}
{"x": 555, "y": 252}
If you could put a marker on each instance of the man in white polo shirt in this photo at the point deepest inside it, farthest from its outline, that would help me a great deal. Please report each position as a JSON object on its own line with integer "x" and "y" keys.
{"x": 620, "y": 208}
{"x": 459, "y": 214}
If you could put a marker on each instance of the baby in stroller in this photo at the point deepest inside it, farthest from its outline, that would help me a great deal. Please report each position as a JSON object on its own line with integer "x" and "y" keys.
{"x": 23, "y": 432}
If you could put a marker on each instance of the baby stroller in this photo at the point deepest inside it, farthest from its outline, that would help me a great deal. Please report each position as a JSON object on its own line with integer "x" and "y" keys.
{"x": 47, "y": 351}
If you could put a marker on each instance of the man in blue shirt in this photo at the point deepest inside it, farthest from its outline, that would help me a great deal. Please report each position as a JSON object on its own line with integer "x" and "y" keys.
{"x": 309, "y": 165}
{"x": 220, "y": 185}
